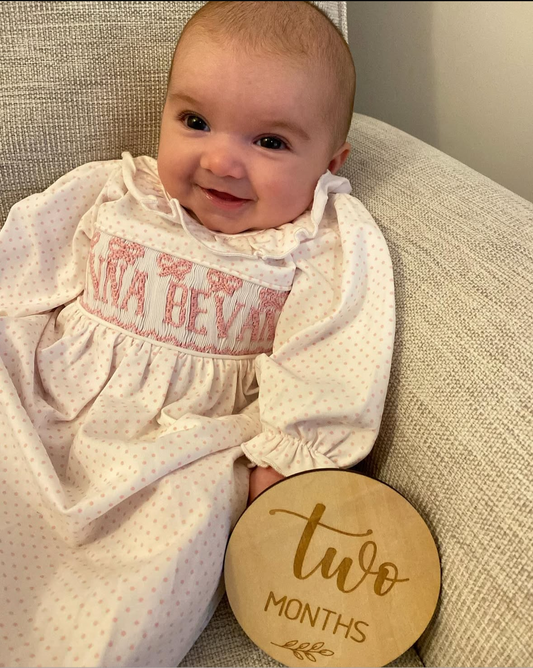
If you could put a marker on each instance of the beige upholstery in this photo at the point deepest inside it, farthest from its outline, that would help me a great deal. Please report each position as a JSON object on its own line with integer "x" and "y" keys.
{"x": 84, "y": 81}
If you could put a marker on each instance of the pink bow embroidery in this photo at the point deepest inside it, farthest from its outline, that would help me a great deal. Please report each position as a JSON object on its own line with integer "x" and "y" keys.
{"x": 129, "y": 251}
{"x": 221, "y": 282}
{"x": 171, "y": 266}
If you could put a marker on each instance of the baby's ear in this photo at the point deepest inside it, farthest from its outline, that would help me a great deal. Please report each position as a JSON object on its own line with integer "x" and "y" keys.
{"x": 339, "y": 158}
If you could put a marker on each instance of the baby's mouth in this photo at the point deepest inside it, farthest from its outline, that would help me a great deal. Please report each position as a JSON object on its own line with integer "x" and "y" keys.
{"x": 225, "y": 196}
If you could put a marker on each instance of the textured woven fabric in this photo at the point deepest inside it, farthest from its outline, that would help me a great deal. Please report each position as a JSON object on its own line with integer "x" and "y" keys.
{"x": 457, "y": 429}
{"x": 84, "y": 81}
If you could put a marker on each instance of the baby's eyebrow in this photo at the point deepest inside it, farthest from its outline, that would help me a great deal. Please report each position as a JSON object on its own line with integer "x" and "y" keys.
{"x": 185, "y": 98}
{"x": 286, "y": 126}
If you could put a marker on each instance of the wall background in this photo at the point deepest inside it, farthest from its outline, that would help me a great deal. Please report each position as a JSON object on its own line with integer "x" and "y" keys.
{"x": 457, "y": 75}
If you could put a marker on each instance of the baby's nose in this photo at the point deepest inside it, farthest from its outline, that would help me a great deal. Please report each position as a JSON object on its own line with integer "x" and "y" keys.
{"x": 223, "y": 158}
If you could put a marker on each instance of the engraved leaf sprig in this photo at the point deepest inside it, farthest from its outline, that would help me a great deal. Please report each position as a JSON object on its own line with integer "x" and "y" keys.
{"x": 304, "y": 649}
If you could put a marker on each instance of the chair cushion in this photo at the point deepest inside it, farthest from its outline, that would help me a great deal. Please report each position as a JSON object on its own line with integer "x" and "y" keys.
{"x": 457, "y": 427}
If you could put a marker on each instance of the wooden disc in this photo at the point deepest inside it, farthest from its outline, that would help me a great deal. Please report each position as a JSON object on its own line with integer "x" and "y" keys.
{"x": 332, "y": 568}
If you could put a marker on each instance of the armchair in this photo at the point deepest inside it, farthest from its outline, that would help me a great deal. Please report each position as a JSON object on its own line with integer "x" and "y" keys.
{"x": 83, "y": 81}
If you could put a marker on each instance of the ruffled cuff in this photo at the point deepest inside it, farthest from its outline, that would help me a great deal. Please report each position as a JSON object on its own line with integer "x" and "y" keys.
{"x": 285, "y": 454}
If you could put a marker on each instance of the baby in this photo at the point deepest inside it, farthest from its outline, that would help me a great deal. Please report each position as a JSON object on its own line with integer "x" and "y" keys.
{"x": 176, "y": 336}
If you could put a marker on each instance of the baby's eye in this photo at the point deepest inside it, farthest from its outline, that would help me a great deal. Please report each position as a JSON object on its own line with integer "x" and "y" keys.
{"x": 194, "y": 122}
{"x": 191, "y": 120}
{"x": 272, "y": 140}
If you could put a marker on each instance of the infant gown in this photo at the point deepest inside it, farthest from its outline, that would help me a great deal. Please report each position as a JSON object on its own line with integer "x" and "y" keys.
{"x": 146, "y": 364}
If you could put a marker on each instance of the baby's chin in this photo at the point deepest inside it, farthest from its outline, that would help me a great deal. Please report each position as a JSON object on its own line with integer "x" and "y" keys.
{"x": 237, "y": 226}
{"x": 224, "y": 227}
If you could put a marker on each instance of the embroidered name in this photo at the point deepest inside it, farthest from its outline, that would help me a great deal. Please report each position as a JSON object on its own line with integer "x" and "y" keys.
{"x": 177, "y": 301}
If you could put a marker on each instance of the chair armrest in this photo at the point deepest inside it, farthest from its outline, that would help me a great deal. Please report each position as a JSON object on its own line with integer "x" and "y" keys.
{"x": 457, "y": 427}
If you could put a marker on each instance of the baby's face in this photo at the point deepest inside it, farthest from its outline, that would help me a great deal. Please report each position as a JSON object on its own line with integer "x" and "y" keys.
{"x": 249, "y": 127}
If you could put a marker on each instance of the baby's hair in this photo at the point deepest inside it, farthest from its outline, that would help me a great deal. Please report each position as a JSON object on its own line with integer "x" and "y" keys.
{"x": 290, "y": 29}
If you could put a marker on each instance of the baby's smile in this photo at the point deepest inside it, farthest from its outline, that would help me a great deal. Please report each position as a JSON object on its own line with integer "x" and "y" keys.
{"x": 223, "y": 200}
{"x": 243, "y": 142}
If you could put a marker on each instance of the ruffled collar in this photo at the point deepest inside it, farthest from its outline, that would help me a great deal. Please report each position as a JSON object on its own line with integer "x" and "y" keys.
{"x": 142, "y": 180}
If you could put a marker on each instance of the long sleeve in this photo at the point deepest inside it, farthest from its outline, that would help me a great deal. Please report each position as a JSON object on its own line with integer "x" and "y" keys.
{"x": 45, "y": 242}
{"x": 322, "y": 390}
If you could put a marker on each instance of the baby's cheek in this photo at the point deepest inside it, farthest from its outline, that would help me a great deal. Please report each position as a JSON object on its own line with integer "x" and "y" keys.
{"x": 300, "y": 198}
{"x": 169, "y": 176}
{"x": 292, "y": 192}
{"x": 163, "y": 170}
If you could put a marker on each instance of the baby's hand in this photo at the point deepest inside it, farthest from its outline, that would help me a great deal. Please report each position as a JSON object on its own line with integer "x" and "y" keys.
{"x": 261, "y": 479}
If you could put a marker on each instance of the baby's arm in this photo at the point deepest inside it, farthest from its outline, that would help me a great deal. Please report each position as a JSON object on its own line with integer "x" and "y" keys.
{"x": 45, "y": 242}
{"x": 322, "y": 390}
{"x": 260, "y": 479}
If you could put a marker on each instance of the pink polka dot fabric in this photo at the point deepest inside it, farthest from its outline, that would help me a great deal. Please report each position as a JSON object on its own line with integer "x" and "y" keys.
{"x": 146, "y": 364}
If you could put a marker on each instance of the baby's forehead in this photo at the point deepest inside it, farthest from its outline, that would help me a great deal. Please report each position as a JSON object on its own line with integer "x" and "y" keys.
{"x": 215, "y": 51}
